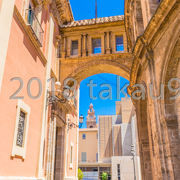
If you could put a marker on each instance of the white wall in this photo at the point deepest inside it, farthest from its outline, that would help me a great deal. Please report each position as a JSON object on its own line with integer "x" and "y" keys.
{"x": 126, "y": 167}
{"x": 126, "y": 136}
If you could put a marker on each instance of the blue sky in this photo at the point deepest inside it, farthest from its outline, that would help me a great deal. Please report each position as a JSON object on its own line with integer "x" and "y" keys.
{"x": 85, "y": 9}
{"x": 102, "y": 107}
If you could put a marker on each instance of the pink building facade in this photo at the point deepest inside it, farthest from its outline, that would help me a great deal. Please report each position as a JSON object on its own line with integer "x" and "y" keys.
{"x": 29, "y": 53}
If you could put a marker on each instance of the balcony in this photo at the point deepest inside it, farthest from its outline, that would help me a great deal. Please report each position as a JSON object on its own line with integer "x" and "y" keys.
{"x": 33, "y": 22}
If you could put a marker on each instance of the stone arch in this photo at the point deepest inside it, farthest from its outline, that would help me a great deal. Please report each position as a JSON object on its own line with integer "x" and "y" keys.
{"x": 84, "y": 70}
{"x": 171, "y": 109}
{"x": 170, "y": 116}
{"x": 170, "y": 65}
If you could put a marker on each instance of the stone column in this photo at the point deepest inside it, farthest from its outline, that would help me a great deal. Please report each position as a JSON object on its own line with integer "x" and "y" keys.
{"x": 107, "y": 43}
{"x": 84, "y": 45}
{"x": 112, "y": 42}
{"x": 102, "y": 44}
{"x": 125, "y": 43}
{"x": 63, "y": 47}
{"x": 53, "y": 147}
{"x": 60, "y": 156}
{"x": 48, "y": 172}
{"x": 89, "y": 48}
{"x": 80, "y": 46}
{"x": 159, "y": 133}
{"x": 68, "y": 46}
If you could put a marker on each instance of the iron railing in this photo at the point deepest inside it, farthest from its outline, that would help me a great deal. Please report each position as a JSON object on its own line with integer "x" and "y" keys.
{"x": 35, "y": 25}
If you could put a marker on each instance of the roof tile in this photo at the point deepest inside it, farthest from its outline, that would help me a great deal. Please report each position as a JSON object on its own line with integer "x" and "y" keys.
{"x": 94, "y": 21}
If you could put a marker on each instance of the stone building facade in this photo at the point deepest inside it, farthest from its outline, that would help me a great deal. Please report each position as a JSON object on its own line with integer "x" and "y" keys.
{"x": 34, "y": 130}
{"x": 153, "y": 30}
{"x": 151, "y": 57}
{"x": 40, "y": 39}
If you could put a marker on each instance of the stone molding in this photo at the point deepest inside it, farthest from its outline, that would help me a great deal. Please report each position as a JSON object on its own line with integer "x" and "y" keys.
{"x": 148, "y": 39}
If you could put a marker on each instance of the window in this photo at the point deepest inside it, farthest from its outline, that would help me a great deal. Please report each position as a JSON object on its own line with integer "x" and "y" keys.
{"x": 74, "y": 48}
{"x": 71, "y": 155}
{"x": 119, "y": 43}
{"x": 33, "y": 18}
{"x": 83, "y": 156}
{"x": 30, "y": 15}
{"x": 84, "y": 136}
{"x": 21, "y": 129}
{"x": 96, "y": 45}
{"x": 118, "y": 171}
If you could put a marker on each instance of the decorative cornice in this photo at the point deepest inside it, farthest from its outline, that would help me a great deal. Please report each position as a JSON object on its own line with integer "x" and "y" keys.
{"x": 117, "y": 57}
{"x": 94, "y": 21}
{"x": 64, "y": 9}
{"x": 31, "y": 36}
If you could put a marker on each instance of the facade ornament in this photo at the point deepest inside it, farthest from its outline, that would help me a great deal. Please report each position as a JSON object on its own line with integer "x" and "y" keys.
{"x": 149, "y": 51}
{"x": 91, "y": 118}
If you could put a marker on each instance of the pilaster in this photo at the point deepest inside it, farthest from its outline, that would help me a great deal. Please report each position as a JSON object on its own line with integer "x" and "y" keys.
{"x": 89, "y": 48}
{"x": 84, "y": 45}
{"x": 108, "y": 50}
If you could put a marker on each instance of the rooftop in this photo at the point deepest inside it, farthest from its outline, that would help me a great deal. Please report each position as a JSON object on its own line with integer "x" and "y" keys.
{"x": 88, "y": 129}
{"x": 94, "y": 21}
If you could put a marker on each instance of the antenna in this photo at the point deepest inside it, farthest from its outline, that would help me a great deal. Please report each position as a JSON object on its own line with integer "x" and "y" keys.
{"x": 96, "y": 9}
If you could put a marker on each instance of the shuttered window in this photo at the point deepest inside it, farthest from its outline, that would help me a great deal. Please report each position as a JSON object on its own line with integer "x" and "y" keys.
{"x": 83, "y": 156}
{"x": 74, "y": 48}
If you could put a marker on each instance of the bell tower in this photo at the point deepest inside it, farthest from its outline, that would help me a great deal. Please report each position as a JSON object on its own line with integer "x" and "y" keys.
{"x": 91, "y": 118}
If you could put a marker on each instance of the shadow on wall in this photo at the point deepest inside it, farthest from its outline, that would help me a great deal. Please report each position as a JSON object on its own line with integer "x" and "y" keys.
{"x": 126, "y": 139}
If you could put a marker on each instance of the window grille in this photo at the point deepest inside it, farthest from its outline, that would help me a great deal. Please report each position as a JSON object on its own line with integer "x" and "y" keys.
{"x": 21, "y": 127}
{"x": 83, "y": 156}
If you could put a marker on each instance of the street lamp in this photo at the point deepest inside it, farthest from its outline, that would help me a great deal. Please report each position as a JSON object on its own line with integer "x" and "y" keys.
{"x": 73, "y": 125}
{"x": 133, "y": 154}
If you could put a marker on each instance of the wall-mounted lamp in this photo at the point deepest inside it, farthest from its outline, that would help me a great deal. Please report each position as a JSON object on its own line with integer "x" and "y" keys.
{"x": 58, "y": 95}
{"x": 81, "y": 118}
{"x": 73, "y": 125}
